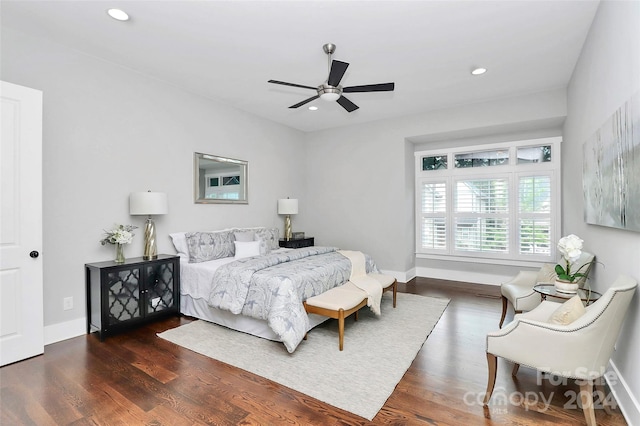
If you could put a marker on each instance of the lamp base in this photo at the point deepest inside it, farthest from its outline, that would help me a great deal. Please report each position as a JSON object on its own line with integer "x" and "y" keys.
{"x": 150, "y": 248}
{"x": 287, "y": 228}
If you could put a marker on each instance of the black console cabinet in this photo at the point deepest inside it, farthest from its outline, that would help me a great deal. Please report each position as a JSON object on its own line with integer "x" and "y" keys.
{"x": 123, "y": 295}
{"x": 293, "y": 244}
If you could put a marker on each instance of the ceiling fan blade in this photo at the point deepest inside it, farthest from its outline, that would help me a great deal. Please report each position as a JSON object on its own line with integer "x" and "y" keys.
{"x": 299, "y": 104}
{"x": 383, "y": 87}
{"x": 338, "y": 68}
{"x": 347, "y": 104}
{"x": 284, "y": 83}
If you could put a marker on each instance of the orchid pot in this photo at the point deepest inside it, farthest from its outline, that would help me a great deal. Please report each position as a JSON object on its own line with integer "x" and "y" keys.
{"x": 564, "y": 286}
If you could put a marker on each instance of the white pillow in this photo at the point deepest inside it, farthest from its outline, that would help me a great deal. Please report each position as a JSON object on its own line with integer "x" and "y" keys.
{"x": 247, "y": 249}
{"x": 180, "y": 243}
{"x": 568, "y": 312}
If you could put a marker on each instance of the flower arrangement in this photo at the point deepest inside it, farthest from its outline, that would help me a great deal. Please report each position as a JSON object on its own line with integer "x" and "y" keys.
{"x": 571, "y": 248}
{"x": 121, "y": 234}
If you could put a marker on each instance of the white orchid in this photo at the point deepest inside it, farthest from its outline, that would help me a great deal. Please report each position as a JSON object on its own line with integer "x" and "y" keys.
{"x": 571, "y": 248}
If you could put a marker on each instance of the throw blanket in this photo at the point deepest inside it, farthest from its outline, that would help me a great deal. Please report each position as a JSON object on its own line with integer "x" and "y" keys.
{"x": 361, "y": 280}
{"x": 272, "y": 287}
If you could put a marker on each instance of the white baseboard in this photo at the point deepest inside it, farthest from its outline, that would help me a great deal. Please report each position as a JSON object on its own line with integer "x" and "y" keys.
{"x": 65, "y": 330}
{"x": 627, "y": 402}
{"x": 402, "y": 277}
{"x": 463, "y": 276}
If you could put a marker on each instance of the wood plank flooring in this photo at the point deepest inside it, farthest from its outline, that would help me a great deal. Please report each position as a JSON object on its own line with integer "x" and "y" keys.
{"x": 137, "y": 378}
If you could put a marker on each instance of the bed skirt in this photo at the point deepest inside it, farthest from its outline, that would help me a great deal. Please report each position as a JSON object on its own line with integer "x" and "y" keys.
{"x": 198, "y": 308}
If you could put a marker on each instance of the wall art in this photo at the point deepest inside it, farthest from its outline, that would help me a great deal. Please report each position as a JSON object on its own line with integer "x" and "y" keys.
{"x": 611, "y": 170}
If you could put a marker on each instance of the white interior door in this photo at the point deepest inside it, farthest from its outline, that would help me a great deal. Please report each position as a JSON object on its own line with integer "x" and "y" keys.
{"x": 21, "y": 292}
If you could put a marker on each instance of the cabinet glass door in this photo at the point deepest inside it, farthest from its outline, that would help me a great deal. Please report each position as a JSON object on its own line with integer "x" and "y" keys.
{"x": 123, "y": 295}
{"x": 159, "y": 287}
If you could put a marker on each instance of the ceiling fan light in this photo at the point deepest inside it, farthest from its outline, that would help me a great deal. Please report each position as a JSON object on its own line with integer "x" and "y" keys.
{"x": 330, "y": 96}
{"x": 329, "y": 93}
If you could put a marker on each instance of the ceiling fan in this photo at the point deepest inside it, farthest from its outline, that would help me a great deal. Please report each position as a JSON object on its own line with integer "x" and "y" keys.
{"x": 331, "y": 90}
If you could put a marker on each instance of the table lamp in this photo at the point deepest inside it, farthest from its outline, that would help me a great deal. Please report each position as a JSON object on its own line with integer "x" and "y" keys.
{"x": 287, "y": 206}
{"x": 148, "y": 203}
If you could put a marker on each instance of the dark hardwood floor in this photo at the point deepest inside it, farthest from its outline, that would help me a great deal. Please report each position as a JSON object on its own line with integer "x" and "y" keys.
{"x": 136, "y": 378}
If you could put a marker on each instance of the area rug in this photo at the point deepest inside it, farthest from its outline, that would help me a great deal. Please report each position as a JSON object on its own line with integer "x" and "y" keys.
{"x": 377, "y": 352}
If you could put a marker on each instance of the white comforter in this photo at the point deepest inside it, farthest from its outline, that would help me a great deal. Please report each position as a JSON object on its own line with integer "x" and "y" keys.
{"x": 272, "y": 287}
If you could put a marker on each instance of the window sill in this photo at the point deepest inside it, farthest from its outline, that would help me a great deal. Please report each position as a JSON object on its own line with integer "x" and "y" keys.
{"x": 492, "y": 261}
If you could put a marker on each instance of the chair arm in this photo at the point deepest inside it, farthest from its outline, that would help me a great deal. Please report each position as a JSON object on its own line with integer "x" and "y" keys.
{"x": 557, "y": 349}
{"x": 541, "y": 313}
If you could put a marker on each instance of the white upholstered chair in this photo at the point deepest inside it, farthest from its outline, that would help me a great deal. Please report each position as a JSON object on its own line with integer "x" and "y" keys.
{"x": 579, "y": 350}
{"x": 519, "y": 291}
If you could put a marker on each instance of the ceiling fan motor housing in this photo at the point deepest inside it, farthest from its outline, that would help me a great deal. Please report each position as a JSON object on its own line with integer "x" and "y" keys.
{"x": 329, "y": 93}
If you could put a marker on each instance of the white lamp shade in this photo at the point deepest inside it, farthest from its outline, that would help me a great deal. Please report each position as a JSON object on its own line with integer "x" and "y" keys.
{"x": 148, "y": 203}
{"x": 288, "y": 206}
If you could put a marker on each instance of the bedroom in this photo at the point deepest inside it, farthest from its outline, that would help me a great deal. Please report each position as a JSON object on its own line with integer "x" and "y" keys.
{"x": 109, "y": 131}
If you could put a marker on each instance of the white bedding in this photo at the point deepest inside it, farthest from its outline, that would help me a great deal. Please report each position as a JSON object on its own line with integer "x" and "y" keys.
{"x": 195, "y": 287}
{"x": 199, "y": 308}
{"x": 195, "y": 278}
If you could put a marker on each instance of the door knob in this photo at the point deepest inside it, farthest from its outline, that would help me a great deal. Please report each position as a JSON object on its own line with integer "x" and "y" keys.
{"x": 34, "y": 254}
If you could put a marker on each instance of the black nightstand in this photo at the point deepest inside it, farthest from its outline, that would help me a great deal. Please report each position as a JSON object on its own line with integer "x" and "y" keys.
{"x": 302, "y": 242}
{"x": 123, "y": 295}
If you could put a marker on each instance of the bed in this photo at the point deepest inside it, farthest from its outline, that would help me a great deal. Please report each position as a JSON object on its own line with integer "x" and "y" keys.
{"x": 240, "y": 278}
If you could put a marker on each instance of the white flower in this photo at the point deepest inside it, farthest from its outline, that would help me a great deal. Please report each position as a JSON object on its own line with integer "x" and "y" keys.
{"x": 121, "y": 234}
{"x": 570, "y": 247}
{"x": 123, "y": 237}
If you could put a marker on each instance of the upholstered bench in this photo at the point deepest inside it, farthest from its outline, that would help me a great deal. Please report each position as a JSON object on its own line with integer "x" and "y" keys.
{"x": 388, "y": 283}
{"x": 340, "y": 302}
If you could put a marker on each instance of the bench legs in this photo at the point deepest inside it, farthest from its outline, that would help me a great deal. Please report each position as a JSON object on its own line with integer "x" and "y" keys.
{"x": 340, "y": 314}
{"x": 341, "y": 318}
{"x": 341, "y": 328}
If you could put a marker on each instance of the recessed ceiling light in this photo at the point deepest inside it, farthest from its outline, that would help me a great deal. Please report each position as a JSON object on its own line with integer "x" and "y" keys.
{"x": 118, "y": 14}
{"x": 313, "y": 108}
{"x": 478, "y": 71}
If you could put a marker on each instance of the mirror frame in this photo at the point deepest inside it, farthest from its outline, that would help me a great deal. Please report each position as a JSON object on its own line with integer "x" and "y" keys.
{"x": 244, "y": 181}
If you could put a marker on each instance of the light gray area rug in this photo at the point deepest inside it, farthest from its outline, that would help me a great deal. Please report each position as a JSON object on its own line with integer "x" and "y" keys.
{"x": 377, "y": 352}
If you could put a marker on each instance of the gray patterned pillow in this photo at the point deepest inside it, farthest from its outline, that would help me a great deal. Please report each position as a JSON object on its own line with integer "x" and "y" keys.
{"x": 244, "y": 236}
{"x": 270, "y": 235}
{"x": 265, "y": 247}
{"x": 204, "y": 246}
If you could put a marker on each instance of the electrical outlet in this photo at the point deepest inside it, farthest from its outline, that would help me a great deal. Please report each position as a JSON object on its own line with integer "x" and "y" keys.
{"x": 67, "y": 303}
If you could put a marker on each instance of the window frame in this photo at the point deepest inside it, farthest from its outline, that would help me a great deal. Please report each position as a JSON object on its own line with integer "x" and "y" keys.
{"x": 513, "y": 172}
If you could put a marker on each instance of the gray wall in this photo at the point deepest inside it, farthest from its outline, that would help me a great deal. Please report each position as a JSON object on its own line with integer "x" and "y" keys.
{"x": 606, "y": 76}
{"x": 360, "y": 179}
{"x": 107, "y": 132}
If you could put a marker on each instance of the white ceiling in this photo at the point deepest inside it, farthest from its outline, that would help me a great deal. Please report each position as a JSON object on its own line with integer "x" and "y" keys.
{"x": 227, "y": 50}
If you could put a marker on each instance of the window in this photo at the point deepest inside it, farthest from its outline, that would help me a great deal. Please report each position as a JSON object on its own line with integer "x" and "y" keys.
{"x": 434, "y": 162}
{"x": 481, "y": 159}
{"x": 481, "y": 215}
{"x": 230, "y": 180}
{"x": 497, "y": 202}
{"x": 434, "y": 209}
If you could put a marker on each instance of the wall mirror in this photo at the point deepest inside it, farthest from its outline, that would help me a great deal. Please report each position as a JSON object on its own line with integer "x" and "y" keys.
{"x": 220, "y": 179}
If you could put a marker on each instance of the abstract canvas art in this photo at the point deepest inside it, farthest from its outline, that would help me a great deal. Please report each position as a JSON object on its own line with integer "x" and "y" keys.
{"x": 611, "y": 170}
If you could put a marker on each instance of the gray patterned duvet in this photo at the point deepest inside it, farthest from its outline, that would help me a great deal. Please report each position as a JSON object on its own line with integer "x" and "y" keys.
{"x": 272, "y": 287}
